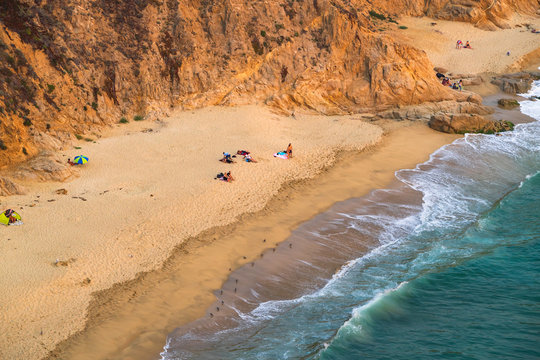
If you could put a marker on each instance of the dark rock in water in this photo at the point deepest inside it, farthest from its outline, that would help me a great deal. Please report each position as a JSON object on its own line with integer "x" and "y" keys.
{"x": 516, "y": 83}
{"x": 508, "y": 103}
{"x": 468, "y": 123}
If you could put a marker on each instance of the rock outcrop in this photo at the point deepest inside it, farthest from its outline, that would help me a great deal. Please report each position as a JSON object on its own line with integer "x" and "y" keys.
{"x": 517, "y": 83}
{"x": 71, "y": 66}
{"x": 467, "y": 123}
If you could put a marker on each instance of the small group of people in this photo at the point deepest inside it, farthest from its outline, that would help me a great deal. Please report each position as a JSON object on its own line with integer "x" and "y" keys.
{"x": 460, "y": 45}
{"x": 446, "y": 82}
{"x": 228, "y": 159}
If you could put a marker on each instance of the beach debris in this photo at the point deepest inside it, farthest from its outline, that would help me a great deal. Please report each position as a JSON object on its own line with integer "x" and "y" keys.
{"x": 79, "y": 197}
{"x": 86, "y": 281}
{"x": 230, "y": 269}
{"x": 252, "y": 264}
{"x": 273, "y": 249}
{"x": 235, "y": 290}
{"x": 221, "y": 292}
{"x": 59, "y": 262}
{"x": 217, "y": 308}
{"x": 222, "y": 302}
{"x": 262, "y": 255}
{"x": 244, "y": 257}
{"x": 61, "y": 192}
{"x": 51, "y": 200}
{"x": 237, "y": 281}
{"x": 264, "y": 240}
{"x": 211, "y": 315}
{"x": 41, "y": 332}
{"x": 290, "y": 246}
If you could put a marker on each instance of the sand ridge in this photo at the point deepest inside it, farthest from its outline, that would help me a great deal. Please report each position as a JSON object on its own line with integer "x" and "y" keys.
{"x": 141, "y": 194}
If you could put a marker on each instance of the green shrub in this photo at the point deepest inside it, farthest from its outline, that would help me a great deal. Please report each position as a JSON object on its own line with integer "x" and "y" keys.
{"x": 403, "y": 27}
{"x": 88, "y": 139}
{"x": 2, "y": 145}
{"x": 85, "y": 108}
{"x": 138, "y": 117}
{"x": 94, "y": 106}
{"x": 27, "y": 121}
{"x": 50, "y": 88}
{"x": 78, "y": 147}
{"x": 24, "y": 151}
{"x": 376, "y": 15}
{"x": 279, "y": 26}
{"x": 123, "y": 121}
{"x": 79, "y": 137}
{"x": 263, "y": 33}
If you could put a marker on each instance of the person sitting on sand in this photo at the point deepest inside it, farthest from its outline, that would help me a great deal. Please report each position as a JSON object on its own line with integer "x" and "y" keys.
{"x": 289, "y": 151}
{"x": 71, "y": 162}
{"x": 227, "y": 158}
{"x": 459, "y": 44}
{"x": 455, "y": 86}
{"x": 228, "y": 177}
{"x": 248, "y": 158}
{"x": 460, "y": 85}
{"x": 446, "y": 81}
{"x": 468, "y": 45}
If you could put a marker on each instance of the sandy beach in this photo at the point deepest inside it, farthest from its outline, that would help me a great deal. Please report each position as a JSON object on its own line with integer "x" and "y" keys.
{"x": 149, "y": 193}
{"x": 143, "y": 193}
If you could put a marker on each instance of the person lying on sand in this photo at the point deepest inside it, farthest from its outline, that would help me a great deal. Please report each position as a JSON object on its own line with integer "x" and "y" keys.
{"x": 248, "y": 158}
{"x": 71, "y": 162}
{"x": 242, "y": 152}
{"x": 227, "y": 158}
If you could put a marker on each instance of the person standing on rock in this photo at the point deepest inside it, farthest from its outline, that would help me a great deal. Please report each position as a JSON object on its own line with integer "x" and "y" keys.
{"x": 460, "y": 85}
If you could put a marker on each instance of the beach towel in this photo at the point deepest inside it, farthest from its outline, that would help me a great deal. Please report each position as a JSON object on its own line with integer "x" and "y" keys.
{"x": 281, "y": 155}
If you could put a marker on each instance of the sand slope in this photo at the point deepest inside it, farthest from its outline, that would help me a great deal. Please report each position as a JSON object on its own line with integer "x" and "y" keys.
{"x": 141, "y": 194}
{"x": 489, "y": 47}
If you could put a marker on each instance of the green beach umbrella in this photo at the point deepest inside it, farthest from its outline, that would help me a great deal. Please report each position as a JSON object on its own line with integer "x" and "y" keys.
{"x": 80, "y": 159}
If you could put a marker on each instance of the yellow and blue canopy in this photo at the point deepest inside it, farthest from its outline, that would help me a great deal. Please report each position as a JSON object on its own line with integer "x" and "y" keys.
{"x": 80, "y": 159}
{"x": 4, "y": 216}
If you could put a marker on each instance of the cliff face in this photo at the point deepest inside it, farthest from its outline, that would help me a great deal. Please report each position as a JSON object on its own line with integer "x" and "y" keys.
{"x": 68, "y": 66}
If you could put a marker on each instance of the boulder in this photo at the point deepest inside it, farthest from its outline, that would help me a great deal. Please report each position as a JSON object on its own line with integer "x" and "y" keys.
{"x": 508, "y": 103}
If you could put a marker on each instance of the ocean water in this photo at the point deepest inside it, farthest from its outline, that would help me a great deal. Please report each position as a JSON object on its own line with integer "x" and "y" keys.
{"x": 446, "y": 265}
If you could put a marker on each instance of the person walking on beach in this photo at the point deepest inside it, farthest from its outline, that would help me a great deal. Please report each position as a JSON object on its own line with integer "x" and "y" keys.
{"x": 289, "y": 151}
{"x": 460, "y": 85}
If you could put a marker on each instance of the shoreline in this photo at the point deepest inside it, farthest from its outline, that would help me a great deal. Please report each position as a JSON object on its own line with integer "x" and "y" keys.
{"x": 146, "y": 304}
{"x": 134, "y": 240}
{"x": 127, "y": 210}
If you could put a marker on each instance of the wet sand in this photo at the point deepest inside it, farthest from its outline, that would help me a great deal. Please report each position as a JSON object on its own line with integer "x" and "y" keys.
{"x": 132, "y": 320}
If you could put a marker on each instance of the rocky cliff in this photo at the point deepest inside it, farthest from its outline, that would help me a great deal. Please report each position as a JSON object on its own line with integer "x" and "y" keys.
{"x": 69, "y": 66}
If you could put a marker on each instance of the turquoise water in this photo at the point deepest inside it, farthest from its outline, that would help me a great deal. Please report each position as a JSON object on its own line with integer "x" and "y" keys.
{"x": 452, "y": 270}
{"x": 483, "y": 307}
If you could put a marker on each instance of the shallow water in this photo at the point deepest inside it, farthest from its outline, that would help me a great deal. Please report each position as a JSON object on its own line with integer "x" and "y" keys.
{"x": 445, "y": 265}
